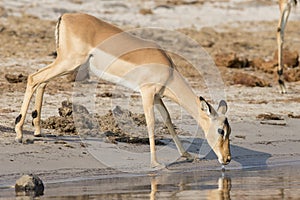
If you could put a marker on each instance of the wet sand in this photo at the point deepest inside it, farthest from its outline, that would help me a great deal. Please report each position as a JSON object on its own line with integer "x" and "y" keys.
{"x": 28, "y": 44}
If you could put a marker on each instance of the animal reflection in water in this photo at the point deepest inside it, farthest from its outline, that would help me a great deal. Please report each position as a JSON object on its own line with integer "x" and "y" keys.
{"x": 221, "y": 193}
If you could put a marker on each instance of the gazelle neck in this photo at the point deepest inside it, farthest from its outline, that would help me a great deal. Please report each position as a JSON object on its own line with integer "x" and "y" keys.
{"x": 178, "y": 90}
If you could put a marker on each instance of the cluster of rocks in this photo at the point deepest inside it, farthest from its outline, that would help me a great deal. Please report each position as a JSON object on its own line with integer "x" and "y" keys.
{"x": 231, "y": 60}
{"x": 12, "y": 78}
{"x": 117, "y": 125}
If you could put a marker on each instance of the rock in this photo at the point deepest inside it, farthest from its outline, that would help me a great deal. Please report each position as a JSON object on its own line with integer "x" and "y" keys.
{"x": 273, "y": 122}
{"x": 62, "y": 124}
{"x": 248, "y": 80}
{"x": 184, "y": 2}
{"x": 11, "y": 78}
{"x": 65, "y": 121}
{"x": 231, "y": 60}
{"x": 265, "y": 66}
{"x": 118, "y": 125}
{"x": 146, "y": 11}
{"x": 289, "y": 58}
{"x": 29, "y": 185}
{"x": 67, "y": 107}
{"x": 292, "y": 74}
{"x": 292, "y": 115}
{"x": 207, "y": 43}
{"x": 269, "y": 116}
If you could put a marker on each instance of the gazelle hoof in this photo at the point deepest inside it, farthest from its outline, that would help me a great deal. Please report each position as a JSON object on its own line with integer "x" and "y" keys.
{"x": 37, "y": 135}
{"x": 187, "y": 156}
{"x": 18, "y": 140}
{"x": 283, "y": 92}
{"x": 157, "y": 165}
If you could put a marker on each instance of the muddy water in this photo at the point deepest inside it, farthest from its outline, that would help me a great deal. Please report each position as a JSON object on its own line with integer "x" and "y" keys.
{"x": 279, "y": 182}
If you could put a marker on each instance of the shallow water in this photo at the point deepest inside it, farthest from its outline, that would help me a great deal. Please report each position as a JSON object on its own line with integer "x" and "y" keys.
{"x": 281, "y": 182}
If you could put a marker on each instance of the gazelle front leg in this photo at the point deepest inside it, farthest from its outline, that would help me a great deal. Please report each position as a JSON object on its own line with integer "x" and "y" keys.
{"x": 148, "y": 94}
{"x": 167, "y": 120}
{"x": 36, "y": 114}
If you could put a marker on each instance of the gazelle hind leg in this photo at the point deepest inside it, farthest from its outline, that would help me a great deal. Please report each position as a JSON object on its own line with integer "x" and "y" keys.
{"x": 36, "y": 114}
{"x": 167, "y": 120}
{"x": 55, "y": 69}
{"x": 21, "y": 117}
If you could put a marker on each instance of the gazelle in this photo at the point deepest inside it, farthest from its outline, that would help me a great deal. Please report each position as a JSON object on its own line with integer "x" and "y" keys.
{"x": 122, "y": 58}
{"x": 285, "y": 9}
{"x": 223, "y": 191}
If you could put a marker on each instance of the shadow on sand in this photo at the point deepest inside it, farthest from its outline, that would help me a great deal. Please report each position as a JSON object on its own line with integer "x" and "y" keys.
{"x": 247, "y": 158}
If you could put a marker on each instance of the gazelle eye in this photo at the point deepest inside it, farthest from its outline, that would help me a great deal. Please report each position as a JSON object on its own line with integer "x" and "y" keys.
{"x": 221, "y": 131}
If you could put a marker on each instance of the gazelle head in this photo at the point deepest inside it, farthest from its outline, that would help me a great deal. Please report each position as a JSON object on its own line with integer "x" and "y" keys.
{"x": 217, "y": 129}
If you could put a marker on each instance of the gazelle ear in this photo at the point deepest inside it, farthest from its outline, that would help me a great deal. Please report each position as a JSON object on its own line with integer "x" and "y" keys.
{"x": 206, "y": 107}
{"x": 222, "y": 107}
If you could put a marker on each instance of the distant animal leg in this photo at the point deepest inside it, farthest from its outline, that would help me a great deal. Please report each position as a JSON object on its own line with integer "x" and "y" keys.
{"x": 280, "y": 40}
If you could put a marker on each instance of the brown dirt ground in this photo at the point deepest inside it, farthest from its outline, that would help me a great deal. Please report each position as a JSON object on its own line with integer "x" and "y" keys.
{"x": 22, "y": 38}
{"x": 240, "y": 54}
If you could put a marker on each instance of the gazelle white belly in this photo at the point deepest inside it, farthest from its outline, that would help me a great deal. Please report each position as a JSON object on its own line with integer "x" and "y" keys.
{"x": 130, "y": 75}
{"x": 103, "y": 65}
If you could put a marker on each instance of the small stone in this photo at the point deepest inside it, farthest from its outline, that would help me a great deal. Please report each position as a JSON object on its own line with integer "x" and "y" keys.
{"x": 266, "y": 66}
{"x": 29, "y": 185}
{"x": 240, "y": 78}
{"x": 69, "y": 146}
{"x": 146, "y": 11}
{"x": 231, "y": 60}
{"x": 28, "y": 141}
{"x": 12, "y": 78}
{"x": 289, "y": 58}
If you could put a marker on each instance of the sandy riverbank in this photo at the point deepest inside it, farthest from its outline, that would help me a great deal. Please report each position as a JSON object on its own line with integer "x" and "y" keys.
{"x": 26, "y": 32}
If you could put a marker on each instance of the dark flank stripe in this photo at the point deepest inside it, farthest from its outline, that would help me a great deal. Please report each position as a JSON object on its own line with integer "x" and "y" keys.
{"x": 34, "y": 114}
{"x": 57, "y": 31}
{"x": 18, "y": 118}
